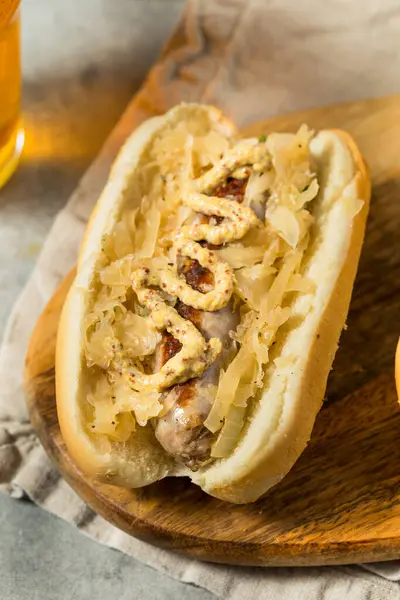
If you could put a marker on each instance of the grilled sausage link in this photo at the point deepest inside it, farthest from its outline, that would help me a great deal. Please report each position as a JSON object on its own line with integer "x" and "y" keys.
{"x": 180, "y": 430}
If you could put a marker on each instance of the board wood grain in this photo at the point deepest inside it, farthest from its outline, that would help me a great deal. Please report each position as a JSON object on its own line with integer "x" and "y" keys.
{"x": 341, "y": 502}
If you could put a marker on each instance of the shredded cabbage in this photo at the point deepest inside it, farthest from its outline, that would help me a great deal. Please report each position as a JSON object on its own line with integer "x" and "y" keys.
{"x": 291, "y": 160}
{"x": 107, "y": 419}
{"x": 257, "y": 189}
{"x": 238, "y": 256}
{"x": 119, "y": 272}
{"x": 278, "y": 287}
{"x": 284, "y": 221}
{"x": 299, "y": 283}
{"x": 147, "y": 229}
{"x": 137, "y": 335}
{"x": 228, "y": 384}
{"x": 101, "y": 344}
{"x": 145, "y": 405}
{"x": 123, "y": 244}
{"x": 253, "y": 284}
{"x": 245, "y": 373}
{"x": 209, "y": 149}
{"x": 263, "y": 281}
{"x": 230, "y": 432}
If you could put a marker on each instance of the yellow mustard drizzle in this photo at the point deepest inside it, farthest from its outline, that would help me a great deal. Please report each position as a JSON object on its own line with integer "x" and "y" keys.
{"x": 196, "y": 354}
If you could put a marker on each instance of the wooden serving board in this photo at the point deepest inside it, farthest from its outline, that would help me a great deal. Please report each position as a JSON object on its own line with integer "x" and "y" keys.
{"x": 341, "y": 502}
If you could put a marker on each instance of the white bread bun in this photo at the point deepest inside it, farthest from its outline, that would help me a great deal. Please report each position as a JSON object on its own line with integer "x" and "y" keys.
{"x": 281, "y": 420}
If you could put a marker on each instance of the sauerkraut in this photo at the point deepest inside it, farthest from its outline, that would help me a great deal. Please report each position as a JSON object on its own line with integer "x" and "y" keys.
{"x": 263, "y": 284}
{"x": 118, "y": 336}
{"x": 107, "y": 419}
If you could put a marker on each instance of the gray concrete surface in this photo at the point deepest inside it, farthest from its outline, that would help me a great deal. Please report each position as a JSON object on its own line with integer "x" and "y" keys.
{"x": 43, "y": 558}
{"x": 82, "y": 61}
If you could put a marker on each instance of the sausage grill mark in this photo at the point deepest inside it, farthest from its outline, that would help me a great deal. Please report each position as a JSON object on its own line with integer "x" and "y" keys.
{"x": 170, "y": 347}
{"x": 198, "y": 277}
{"x": 233, "y": 189}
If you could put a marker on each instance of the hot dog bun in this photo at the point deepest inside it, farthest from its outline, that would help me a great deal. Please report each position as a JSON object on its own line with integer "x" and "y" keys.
{"x": 279, "y": 423}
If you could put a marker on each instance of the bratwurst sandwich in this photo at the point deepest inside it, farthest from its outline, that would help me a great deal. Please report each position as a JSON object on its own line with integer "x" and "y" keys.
{"x": 212, "y": 286}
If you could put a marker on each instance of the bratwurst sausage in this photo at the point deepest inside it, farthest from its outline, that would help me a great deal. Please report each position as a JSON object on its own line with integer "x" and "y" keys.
{"x": 180, "y": 430}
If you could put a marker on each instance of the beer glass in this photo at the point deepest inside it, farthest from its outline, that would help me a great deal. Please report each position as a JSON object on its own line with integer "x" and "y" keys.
{"x": 11, "y": 131}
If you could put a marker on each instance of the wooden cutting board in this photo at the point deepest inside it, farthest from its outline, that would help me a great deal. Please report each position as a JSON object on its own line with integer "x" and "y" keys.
{"x": 341, "y": 502}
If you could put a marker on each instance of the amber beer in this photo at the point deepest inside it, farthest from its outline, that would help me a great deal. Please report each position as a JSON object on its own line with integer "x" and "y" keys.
{"x": 11, "y": 132}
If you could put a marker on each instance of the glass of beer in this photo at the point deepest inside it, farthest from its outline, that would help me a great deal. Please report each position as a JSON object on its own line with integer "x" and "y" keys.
{"x": 11, "y": 131}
